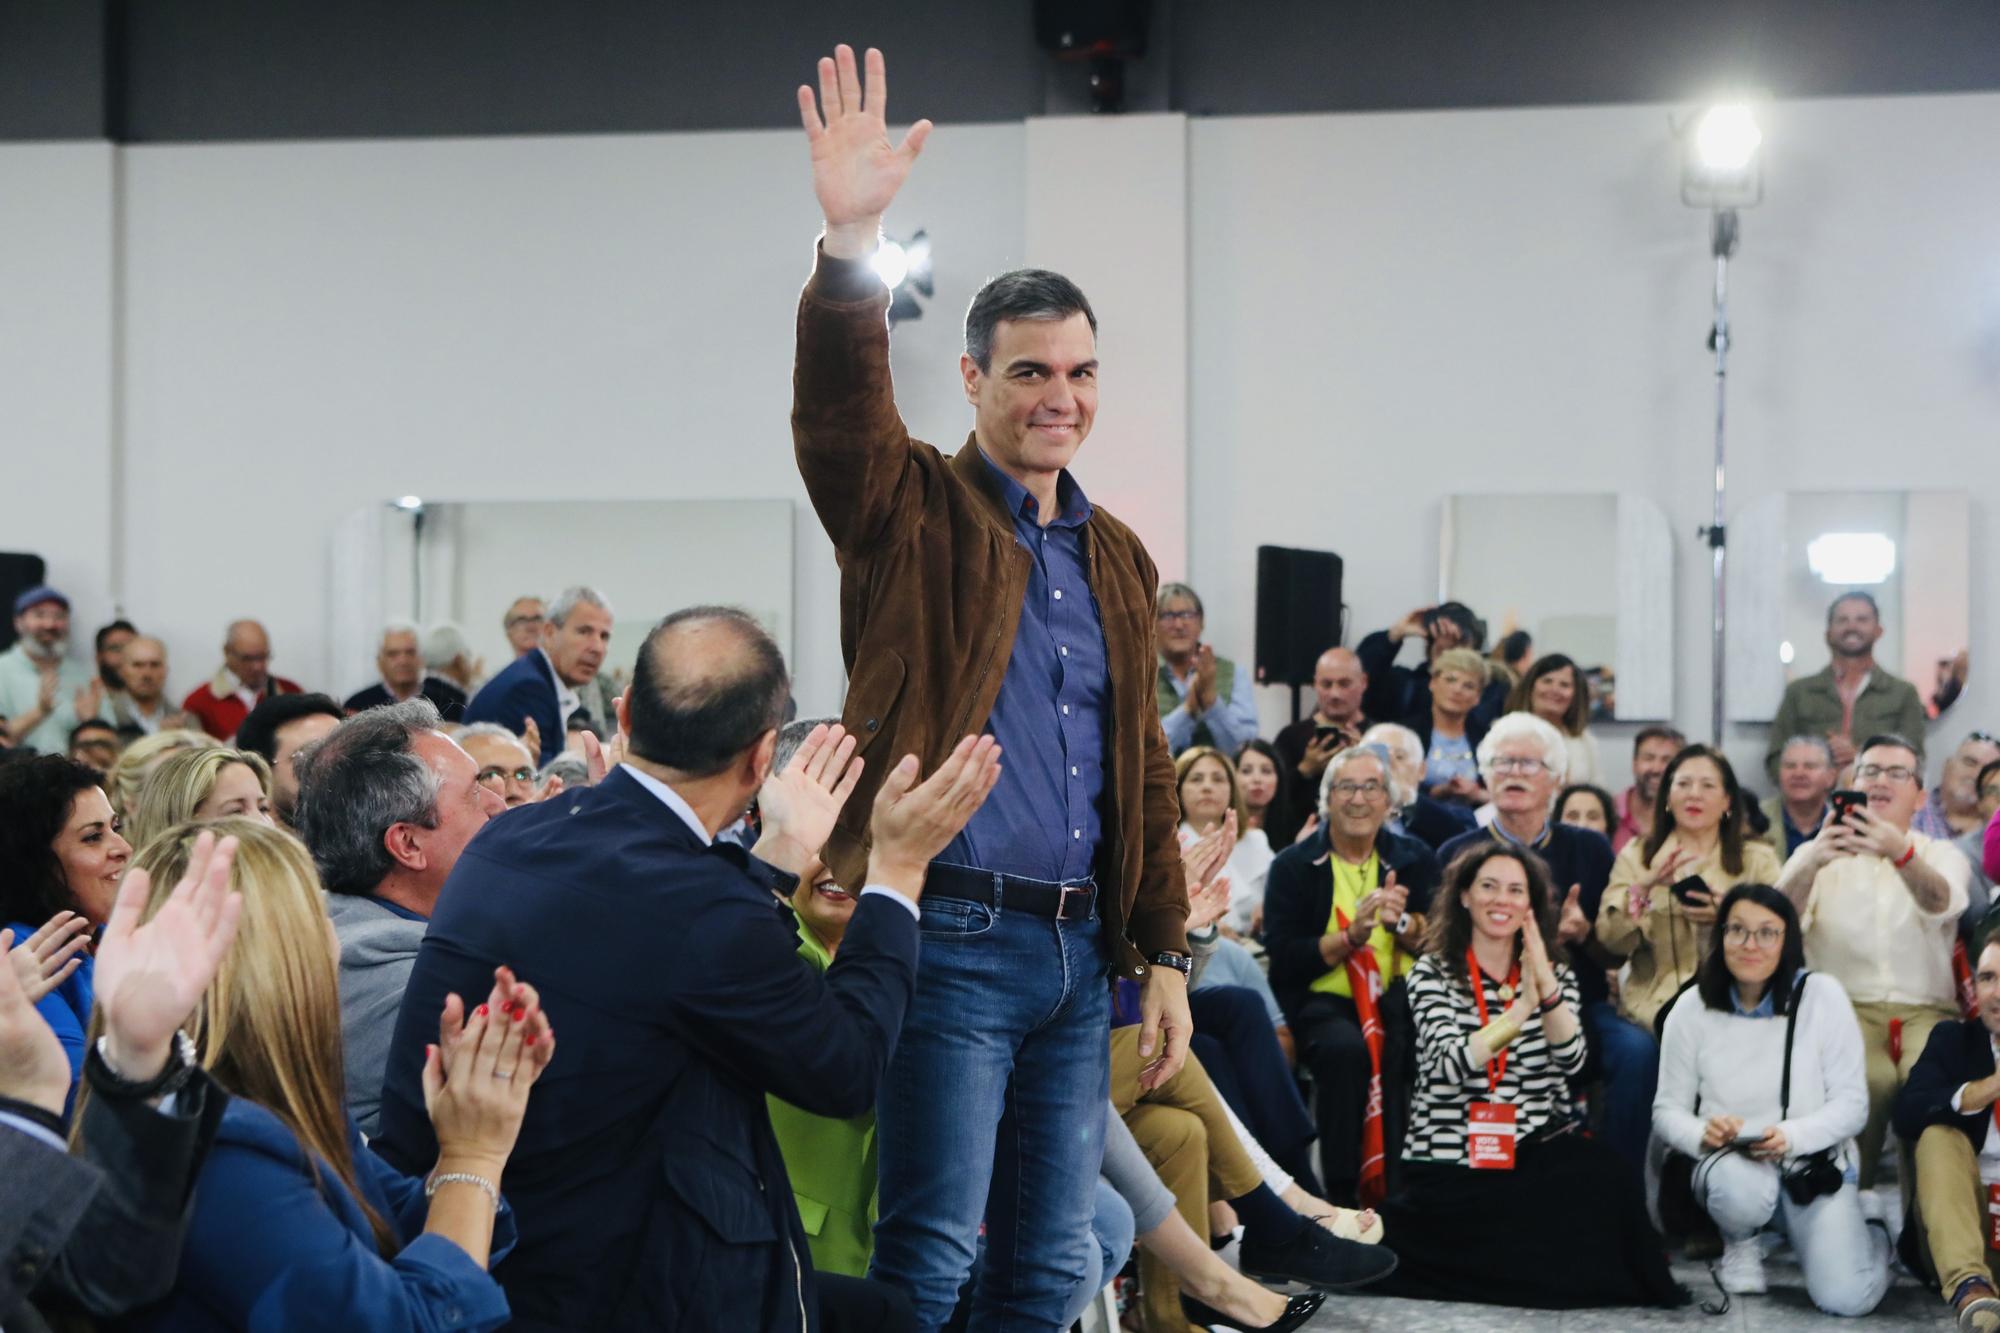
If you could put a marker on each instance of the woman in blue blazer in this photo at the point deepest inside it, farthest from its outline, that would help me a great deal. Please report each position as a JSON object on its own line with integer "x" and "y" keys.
{"x": 296, "y": 1223}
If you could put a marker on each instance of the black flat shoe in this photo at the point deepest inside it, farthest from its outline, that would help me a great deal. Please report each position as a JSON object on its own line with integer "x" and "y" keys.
{"x": 1317, "y": 1258}
{"x": 1299, "y": 1309}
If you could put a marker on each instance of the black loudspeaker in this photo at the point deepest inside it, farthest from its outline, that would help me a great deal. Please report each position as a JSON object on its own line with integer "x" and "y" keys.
{"x": 19, "y": 572}
{"x": 1298, "y": 612}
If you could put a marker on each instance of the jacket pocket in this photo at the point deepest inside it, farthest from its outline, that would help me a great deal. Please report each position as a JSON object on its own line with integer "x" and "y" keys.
{"x": 724, "y": 1196}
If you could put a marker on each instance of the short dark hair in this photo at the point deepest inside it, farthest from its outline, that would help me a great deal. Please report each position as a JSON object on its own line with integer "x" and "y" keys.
{"x": 1894, "y": 741}
{"x": 697, "y": 717}
{"x": 90, "y": 724}
{"x": 1450, "y": 928}
{"x": 259, "y": 732}
{"x": 1605, "y": 801}
{"x": 358, "y": 781}
{"x": 1659, "y": 732}
{"x": 1854, "y": 596}
{"x": 1024, "y": 293}
{"x": 111, "y": 629}
{"x": 1514, "y": 645}
{"x": 36, "y": 795}
{"x": 1713, "y": 979}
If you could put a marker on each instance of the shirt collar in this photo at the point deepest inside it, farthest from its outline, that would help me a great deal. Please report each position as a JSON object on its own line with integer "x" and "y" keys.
{"x": 1540, "y": 839}
{"x": 565, "y": 695}
{"x": 1072, "y": 506}
{"x": 1767, "y": 1005}
{"x": 671, "y": 799}
{"x": 397, "y": 909}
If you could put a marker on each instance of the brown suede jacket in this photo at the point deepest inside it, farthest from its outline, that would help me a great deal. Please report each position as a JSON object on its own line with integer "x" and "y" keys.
{"x": 931, "y": 582}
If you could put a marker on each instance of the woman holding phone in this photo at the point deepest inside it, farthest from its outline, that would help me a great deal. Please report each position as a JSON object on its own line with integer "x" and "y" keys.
{"x": 1659, "y": 905}
{"x": 1753, "y": 1127}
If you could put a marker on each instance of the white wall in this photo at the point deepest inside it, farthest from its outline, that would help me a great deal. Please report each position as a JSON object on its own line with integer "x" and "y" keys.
{"x": 1390, "y": 307}
{"x": 1380, "y": 309}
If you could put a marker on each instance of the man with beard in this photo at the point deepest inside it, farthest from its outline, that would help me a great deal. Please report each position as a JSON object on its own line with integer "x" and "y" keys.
{"x": 41, "y": 689}
{"x": 1652, "y": 750}
{"x": 1852, "y": 696}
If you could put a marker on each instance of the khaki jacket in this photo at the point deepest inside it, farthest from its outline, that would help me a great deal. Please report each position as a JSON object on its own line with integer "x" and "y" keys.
{"x": 1664, "y": 946}
{"x": 931, "y": 581}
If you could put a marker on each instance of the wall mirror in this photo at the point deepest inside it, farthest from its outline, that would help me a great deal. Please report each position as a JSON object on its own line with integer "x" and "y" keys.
{"x": 1791, "y": 554}
{"x": 466, "y": 561}
{"x": 1591, "y": 576}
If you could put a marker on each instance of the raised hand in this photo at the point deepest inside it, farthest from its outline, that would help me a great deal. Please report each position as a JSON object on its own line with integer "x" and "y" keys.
{"x": 46, "y": 958}
{"x": 510, "y": 998}
{"x": 89, "y": 699}
{"x": 856, "y": 171}
{"x": 1393, "y": 900}
{"x": 1573, "y": 927}
{"x": 800, "y": 804}
{"x": 531, "y": 736}
{"x": 1204, "y": 858}
{"x": 33, "y": 1067}
{"x": 1207, "y": 902}
{"x": 1535, "y": 958}
{"x": 149, "y": 977}
{"x": 476, "y": 1102}
{"x": 913, "y": 821}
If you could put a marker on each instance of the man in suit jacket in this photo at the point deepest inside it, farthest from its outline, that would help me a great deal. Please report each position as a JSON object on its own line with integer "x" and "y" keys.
{"x": 541, "y": 686}
{"x": 402, "y": 668}
{"x": 648, "y": 1184}
{"x": 1946, "y": 1110}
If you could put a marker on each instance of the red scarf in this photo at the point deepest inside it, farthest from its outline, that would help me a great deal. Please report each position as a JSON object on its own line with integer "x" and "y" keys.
{"x": 1364, "y": 976}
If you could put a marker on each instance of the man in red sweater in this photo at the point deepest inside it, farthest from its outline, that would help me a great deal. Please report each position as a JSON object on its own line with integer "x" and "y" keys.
{"x": 245, "y": 681}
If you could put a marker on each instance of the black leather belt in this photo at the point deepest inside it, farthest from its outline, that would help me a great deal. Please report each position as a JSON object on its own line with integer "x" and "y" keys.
{"x": 1064, "y": 902}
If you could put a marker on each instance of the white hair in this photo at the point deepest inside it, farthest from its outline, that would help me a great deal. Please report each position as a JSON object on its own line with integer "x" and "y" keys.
{"x": 1398, "y": 798}
{"x": 444, "y": 644}
{"x": 1397, "y": 737}
{"x": 1517, "y": 726}
{"x": 400, "y": 627}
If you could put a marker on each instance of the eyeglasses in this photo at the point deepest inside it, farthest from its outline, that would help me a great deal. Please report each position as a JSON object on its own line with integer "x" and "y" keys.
{"x": 1766, "y": 936}
{"x": 488, "y": 776}
{"x": 1518, "y": 763}
{"x": 1895, "y": 772}
{"x": 1371, "y": 789}
{"x": 522, "y": 620}
{"x": 1179, "y": 617}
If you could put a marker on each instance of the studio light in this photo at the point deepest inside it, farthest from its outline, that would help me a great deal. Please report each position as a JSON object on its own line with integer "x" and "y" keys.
{"x": 410, "y": 503}
{"x": 905, "y": 269}
{"x": 1849, "y": 558}
{"x": 1721, "y": 167}
{"x": 1725, "y": 138}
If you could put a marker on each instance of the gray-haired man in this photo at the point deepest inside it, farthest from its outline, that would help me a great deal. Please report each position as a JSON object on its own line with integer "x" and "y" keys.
{"x": 386, "y": 804}
{"x": 1204, "y": 699}
{"x": 542, "y": 689}
{"x": 1806, "y": 776}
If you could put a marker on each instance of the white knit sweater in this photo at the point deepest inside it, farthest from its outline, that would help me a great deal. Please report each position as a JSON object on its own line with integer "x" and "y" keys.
{"x": 1733, "y": 1065}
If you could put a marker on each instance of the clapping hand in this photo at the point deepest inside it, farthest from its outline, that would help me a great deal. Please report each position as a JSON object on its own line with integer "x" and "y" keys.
{"x": 1201, "y": 689}
{"x": 800, "y": 805}
{"x": 476, "y": 1083}
{"x": 913, "y": 822}
{"x": 46, "y": 958}
{"x": 1535, "y": 965}
{"x": 148, "y": 978}
{"x": 1392, "y": 900}
{"x": 1639, "y": 898}
{"x": 1573, "y": 927}
{"x": 1204, "y": 858}
{"x": 510, "y": 997}
{"x": 33, "y": 1067}
{"x": 89, "y": 699}
{"x": 531, "y": 736}
{"x": 856, "y": 171}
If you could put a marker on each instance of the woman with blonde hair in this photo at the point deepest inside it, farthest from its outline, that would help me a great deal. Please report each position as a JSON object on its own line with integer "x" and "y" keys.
{"x": 1452, "y": 732}
{"x": 200, "y": 784}
{"x": 295, "y": 1222}
{"x": 136, "y": 761}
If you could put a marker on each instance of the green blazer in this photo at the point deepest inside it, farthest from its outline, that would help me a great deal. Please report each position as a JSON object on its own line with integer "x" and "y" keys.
{"x": 1811, "y": 707}
{"x": 832, "y": 1166}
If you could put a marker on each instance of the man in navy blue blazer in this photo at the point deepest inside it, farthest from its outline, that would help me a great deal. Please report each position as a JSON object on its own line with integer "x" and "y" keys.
{"x": 647, "y": 1184}
{"x": 540, "y": 686}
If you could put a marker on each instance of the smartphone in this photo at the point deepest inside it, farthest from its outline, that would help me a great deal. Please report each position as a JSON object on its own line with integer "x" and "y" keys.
{"x": 1685, "y": 889}
{"x": 1748, "y": 1138}
{"x": 1321, "y": 734}
{"x": 1844, "y": 803}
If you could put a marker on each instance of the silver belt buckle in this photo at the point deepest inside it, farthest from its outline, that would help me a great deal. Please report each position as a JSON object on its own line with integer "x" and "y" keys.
{"x": 1077, "y": 893}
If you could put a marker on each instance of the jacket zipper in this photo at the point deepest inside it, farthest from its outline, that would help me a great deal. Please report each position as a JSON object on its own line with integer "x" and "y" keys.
{"x": 798, "y": 1283}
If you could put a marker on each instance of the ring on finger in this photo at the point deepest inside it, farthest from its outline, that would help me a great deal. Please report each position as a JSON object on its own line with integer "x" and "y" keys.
{"x": 503, "y": 1073}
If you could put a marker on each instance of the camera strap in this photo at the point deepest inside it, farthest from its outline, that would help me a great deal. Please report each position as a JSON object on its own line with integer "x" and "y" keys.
{"x": 1791, "y": 1028}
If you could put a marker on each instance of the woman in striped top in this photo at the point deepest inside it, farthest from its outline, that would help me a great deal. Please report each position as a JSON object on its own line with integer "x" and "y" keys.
{"x": 1503, "y": 1199}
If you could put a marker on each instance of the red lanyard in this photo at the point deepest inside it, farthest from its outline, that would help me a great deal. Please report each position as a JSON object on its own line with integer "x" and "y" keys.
{"x": 1496, "y": 1068}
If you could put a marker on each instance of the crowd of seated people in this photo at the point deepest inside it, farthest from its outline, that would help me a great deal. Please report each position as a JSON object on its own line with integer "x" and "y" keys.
{"x": 1427, "y": 937}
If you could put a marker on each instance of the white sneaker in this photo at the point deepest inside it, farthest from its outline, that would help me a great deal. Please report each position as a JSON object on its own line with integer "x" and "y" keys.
{"x": 1741, "y": 1271}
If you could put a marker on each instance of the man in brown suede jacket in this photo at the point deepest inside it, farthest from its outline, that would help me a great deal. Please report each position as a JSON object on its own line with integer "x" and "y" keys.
{"x": 984, "y": 592}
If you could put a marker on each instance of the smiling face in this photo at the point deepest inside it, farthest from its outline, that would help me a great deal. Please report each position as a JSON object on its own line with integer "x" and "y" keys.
{"x": 1753, "y": 940}
{"x": 1649, "y": 762}
{"x": 1893, "y": 780}
{"x": 1552, "y": 695}
{"x": 1205, "y": 793}
{"x": 1498, "y": 900}
{"x": 1259, "y": 778}
{"x": 1453, "y": 693}
{"x": 1697, "y": 797}
{"x": 1357, "y": 804}
{"x": 1852, "y": 628}
{"x": 823, "y": 905}
{"x": 1035, "y": 406}
{"x": 93, "y": 854}
{"x": 1805, "y": 775}
{"x": 237, "y": 792}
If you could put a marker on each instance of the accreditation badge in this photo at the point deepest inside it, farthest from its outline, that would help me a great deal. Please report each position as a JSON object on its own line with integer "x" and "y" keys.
{"x": 1489, "y": 1136}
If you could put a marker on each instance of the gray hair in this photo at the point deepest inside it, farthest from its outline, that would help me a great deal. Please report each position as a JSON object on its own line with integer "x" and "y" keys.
{"x": 1024, "y": 293}
{"x": 408, "y": 627}
{"x": 1177, "y": 592}
{"x": 1398, "y": 798}
{"x": 570, "y": 598}
{"x": 1820, "y": 743}
{"x": 493, "y": 729}
{"x": 444, "y": 643}
{"x": 355, "y": 783}
{"x": 571, "y": 768}
{"x": 1525, "y": 726}
{"x": 791, "y": 736}
{"x": 1395, "y": 736}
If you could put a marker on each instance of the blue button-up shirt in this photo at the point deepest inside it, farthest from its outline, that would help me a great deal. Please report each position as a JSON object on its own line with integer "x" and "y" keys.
{"x": 1042, "y": 820}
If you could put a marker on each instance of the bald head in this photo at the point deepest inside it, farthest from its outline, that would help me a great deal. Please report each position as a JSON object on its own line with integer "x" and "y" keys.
{"x": 143, "y": 667}
{"x": 708, "y": 686}
{"x": 246, "y": 650}
{"x": 1338, "y": 682}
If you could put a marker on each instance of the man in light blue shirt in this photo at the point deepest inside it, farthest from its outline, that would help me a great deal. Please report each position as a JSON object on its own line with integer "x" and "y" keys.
{"x": 1204, "y": 699}
{"x": 39, "y": 681}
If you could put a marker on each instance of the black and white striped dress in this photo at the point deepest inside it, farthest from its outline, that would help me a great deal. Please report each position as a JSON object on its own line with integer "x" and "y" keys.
{"x": 1535, "y": 1082}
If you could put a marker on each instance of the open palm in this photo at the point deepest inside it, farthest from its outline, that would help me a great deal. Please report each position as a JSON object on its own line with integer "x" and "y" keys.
{"x": 801, "y": 803}
{"x": 150, "y": 977}
{"x": 856, "y": 170}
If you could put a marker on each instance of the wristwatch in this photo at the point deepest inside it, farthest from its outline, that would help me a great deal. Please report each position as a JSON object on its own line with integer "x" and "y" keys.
{"x": 1179, "y": 962}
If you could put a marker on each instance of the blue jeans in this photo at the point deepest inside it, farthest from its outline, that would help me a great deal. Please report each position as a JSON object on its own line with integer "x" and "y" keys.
{"x": 993, "y": 1109}
{"x": 1630, "y": 1064}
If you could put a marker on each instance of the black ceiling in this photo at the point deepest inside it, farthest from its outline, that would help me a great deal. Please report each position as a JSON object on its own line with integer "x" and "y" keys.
{"x": 176, "y": 70}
